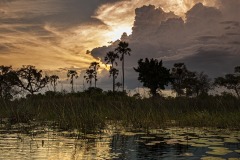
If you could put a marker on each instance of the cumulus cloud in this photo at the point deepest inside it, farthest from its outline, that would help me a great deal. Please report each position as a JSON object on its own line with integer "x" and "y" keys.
{"x": 206, "y": 40}
{"x": 119, "y": 16}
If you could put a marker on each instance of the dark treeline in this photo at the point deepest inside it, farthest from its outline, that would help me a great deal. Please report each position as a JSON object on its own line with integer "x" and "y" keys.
{"x": 93, "y": 108}
{"x": 152, "y": 74}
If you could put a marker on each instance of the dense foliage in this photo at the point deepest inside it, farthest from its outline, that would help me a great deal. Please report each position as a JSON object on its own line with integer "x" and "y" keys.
{"x": 153, "y": 75}
{"x": 230, "y": 81}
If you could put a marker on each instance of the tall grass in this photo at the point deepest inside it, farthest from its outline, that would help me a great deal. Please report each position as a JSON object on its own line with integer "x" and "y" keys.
{"x": 89, "y": 112}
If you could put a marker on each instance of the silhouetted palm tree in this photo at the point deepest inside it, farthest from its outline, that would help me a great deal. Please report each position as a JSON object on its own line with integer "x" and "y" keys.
{"x": 89, "y": 76}
{"x": 53, "y": 81}
{"x": 123, "y": 50}
{"x": 95, "y": 66}
{"x": 114, "y": 73}
{"x": 71, "y": 74}
{"x": 111, "y": 58}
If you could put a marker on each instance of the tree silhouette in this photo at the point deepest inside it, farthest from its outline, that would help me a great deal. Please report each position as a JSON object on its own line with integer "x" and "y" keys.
{"x": 189, "y": 83}
{"x": 153, "y": 75}
{"x": 8, "y": 80}
{"x": 230, "y": 81}
{"x": 179, "y": 74}
{"x": 123, "y": 50}
{"x": 202, "y": 84}
{"x": 118, "y": 85}
{"x": 94, "y": 66}
{"x": 111, "y": 58}
{"x": 71, "y": 74}
{"x": 90, "y": 74}
{"x": 31, "y": 80}
{"x": 237, "y": 70}
{"x": 53, "y": 81}
{"x": 114, "y": 73}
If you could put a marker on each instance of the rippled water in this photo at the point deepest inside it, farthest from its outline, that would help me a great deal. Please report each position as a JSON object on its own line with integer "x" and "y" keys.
{"x": 41, "y": 143}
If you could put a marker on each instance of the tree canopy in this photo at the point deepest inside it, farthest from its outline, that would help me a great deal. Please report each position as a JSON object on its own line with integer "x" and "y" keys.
{"x": 230, "y": 81}
{"x": 179, "y": 74}
{"x": 189, "y": 83}
{"x": 31, "y": 80}
{"x": 153, "y": 75}
{"x": 8, "y": 80}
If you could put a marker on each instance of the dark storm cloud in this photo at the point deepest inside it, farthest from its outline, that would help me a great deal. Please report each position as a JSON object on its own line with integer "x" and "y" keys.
{"x": 230, "y": 9}
{"x": 200, "y": 14}
{"x": 59, "y": 12}
{"x": 231, "y": 23}
{"x": 6, "y": 1}
{"x": 32, "y": 16}
{"x": 149, "y": 18}
{"x": 207, "y": 38}
{"x": 216, "y": 62}
{"x": 207, "y": 41}
{"x": 100, "y": 52}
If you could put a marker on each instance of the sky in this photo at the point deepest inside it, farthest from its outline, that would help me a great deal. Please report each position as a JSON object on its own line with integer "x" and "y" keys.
{"x": 55, "y": 35}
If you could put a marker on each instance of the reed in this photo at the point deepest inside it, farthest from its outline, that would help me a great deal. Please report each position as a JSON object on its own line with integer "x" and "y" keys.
{"x": 88, "y": 112}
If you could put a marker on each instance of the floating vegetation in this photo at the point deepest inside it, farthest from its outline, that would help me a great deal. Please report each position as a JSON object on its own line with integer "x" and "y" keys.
{"x": 231, "y": 140}
{"x": 238, "y": 151}
{"x": 147, "y": 137}
{"x": 110, "y": 143}
{"x": 187, "y": 154}
{"x": 199, "y": 145}
{"x": 150, "y": 144}
{"x": 219, "y": 151}
{"x": 128, "y": 133}
{"x": 212, "y": 158}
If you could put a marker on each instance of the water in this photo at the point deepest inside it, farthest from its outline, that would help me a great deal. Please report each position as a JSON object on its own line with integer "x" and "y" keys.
{"x": 42, "y": 143}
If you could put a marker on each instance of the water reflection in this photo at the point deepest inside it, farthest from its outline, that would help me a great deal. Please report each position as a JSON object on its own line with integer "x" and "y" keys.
{"x": 43, "y": 143}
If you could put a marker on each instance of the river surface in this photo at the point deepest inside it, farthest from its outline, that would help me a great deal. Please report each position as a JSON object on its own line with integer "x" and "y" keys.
{"x": 20, "y": 142}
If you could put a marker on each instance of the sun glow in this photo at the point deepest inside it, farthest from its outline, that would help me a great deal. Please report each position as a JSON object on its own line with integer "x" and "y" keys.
{"x": 117, "y": 32}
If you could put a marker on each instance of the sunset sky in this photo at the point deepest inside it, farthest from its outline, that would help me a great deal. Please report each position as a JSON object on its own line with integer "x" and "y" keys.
{"x": 55, "y": 34}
